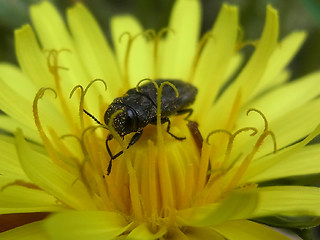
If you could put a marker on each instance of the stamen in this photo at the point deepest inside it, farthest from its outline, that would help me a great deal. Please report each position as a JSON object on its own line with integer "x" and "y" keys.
{"x": 246, "y": 162}
{"x": 218, "y": 131}
{"x": 262, "y": 138}
{"x": 82, "y": 95}
{"x": 87, "y": 180}
{"x": 146, "y": 79}
{"x": 43, "y": 136}
{"x": 196, "y": 58}
{"x": 21, "y": 183}
{"x": 266, "y": 126}
{"x": 80, "y": 104}
{"x": 128, "y": 51}
{"x": 254, "y": 130}
{"x": 52, "y": 61}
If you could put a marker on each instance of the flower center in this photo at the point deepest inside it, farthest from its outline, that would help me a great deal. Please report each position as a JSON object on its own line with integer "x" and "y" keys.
{"x": 158, "y": 175}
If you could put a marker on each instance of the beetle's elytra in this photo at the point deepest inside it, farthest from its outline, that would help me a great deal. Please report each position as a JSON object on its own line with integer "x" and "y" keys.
{"x": 139, "y": 108}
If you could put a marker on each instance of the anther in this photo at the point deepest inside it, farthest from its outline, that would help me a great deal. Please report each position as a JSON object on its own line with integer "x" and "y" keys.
{"x": 83, "y": 92}
{"x": 266, "y": 126}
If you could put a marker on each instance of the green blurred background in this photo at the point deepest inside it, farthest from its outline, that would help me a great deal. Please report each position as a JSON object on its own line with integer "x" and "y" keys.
{"x": 294, "y": 15}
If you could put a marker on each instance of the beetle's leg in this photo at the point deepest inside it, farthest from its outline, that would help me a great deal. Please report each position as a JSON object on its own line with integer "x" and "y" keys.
{"x": 189, "y": 111}
{"x": 164, "y": 120}
{"x": 109, "y": 137}
{"x": 133, "y": 140}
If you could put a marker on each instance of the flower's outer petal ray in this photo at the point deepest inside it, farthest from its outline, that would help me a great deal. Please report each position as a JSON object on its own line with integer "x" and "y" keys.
{"x": 143, "y": 232}
{"x": 140, "y": 63}
{"x": 31, "y": 58}
{"x": 54, "y": 179}
{"x": 180, "y": 45}
{"x": 235, "y": 63}
{"x": 247, "y": 230}
{"x": 260, "y": 165}
{"x": 255, "y": 68}
{"x": 239, "y": 204}
{"x": 288, "y": 201}
{"x": 297, "y": 93}
{"x": 95, "y": 53}
{"x": 280, "y": 58}
{"x": 83, "y": 225}
{"x": 216, "y": 58}
{"x": 14, "y": 78}
{"x": 293, "y": 126}
{"x": 9, "y": 124}
{"x": 57, "y": 37}
{"x": 249, "y": 77}
{"x": 31, "y": 231}
{"x": 18, "y": 199}
{"x": 304, "y": 161}
{"x": 12, "y": 97}
{"x": 10, "y": 167}
{"x": 17, "y": 91}
{"x": 288, "y": 129}
{"x": 203, "y": 234}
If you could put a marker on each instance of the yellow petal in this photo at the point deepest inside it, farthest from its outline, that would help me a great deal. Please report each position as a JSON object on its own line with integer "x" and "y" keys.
{"x": 35, "y": 66}
{"x": 56, "y": 36}
{"x": 18, "y": 199}
{"x": 203, "y": 234}
{"x": 11, "y": 96}
{"x": 259, "y": 165}
{"x": 139, "y": 65}
{"x": 9, "y": 162}
{"x": 303, "y": 162}
{"x": 283, "y": 99}
{"x": 13, "y": 78}
{"x": 288, "y": 201}
{"x": 53, "y": 34}
{"x": 249, "y": 77}
{"x": 83, "y": 225}
{"x": 294, "y": 125}
{"x": 247, "y": 230}
{"x": 93, "y": 49}
{"x": 235, "y": 63}
{"x": 254, "y": 70}
{"x": 143, "y": 232}
{"x": 282, "y": 55}
{"x": 216, "y": 58}
{"x": 31, "y": 58}
{"x": 239, "y": 204}
{"x": 10, "y": 125}
{"x": 54, "y": 179}
{"x": 180, "y": 45}
{"x": 31, "y": 231}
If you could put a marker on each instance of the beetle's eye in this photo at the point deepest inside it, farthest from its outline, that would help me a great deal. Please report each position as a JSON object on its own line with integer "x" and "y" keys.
{"x": 131, "y": 120}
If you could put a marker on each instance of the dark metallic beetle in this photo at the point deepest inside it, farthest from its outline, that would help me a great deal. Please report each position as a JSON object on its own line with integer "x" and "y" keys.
{"x": 139, "y": 108}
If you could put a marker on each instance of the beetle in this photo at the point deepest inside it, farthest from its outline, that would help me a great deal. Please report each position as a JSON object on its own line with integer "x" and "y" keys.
{"x": 139, "y": 108}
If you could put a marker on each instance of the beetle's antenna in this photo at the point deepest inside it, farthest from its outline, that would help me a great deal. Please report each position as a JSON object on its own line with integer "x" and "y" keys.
{"x": 94, "y": 118}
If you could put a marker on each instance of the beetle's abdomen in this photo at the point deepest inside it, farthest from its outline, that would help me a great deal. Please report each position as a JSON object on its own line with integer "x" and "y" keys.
{"x": 169, "y": 102}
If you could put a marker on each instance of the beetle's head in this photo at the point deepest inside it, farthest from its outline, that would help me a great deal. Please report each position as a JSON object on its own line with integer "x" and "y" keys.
{"x": 125, "y": 122}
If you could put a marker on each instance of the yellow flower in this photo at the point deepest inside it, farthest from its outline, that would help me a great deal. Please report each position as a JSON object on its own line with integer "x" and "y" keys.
{"x": 255, "y": 129}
